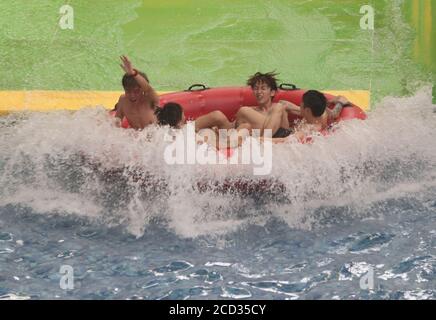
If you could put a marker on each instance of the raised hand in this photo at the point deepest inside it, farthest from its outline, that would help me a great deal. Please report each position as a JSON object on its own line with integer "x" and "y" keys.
{"x": 127, "y": 66}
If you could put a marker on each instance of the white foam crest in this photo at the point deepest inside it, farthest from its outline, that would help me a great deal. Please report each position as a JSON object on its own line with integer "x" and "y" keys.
{"x": 79, "y": 162}
{"x": 54, "y": 201}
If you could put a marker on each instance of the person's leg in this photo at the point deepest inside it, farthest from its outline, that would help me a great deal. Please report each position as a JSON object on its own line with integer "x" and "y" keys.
{"x": 245, "y": 125}
{"x": 213, "y": 119}
{"x": 250, "y": 116}
{"x": 235, "y": 137}
{"x": 209, "y": 136}
{"x": 219, "y": 120}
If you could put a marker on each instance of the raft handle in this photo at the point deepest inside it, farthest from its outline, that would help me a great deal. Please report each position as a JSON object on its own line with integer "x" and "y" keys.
{"x": 288, "y": 86}
{"x": 201, "y": 86}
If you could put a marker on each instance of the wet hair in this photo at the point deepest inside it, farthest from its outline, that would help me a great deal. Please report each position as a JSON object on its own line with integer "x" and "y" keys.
{"x": 171, "y": 114}
{"x": 129, "y": 81}
{"x": 269, "y": 78}
{"x": 316, "y": 102}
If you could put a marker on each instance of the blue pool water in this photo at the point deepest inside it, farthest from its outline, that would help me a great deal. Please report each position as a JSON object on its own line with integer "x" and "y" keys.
{"x": 72, "y": 193}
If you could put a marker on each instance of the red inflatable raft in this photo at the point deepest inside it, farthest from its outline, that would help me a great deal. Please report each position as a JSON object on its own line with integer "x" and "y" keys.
{"x": 199, "y": 100}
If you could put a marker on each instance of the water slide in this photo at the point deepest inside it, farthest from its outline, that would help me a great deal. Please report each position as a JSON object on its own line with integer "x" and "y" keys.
{"x": 66, "y": 56}
{"x": 91, "y": 211}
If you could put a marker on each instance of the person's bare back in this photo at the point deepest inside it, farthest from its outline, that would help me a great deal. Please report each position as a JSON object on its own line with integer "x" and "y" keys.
{"x": 139, "y": 102}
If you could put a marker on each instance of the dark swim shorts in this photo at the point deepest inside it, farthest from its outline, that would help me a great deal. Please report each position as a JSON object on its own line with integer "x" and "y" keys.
{"x": 283, "y": 133}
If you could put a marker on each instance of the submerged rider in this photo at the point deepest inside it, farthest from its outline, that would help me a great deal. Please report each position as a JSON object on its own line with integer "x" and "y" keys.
{"x": 206, "y": 126}
{"x": 139, "y": 102}
{"x": 172, "y": 114}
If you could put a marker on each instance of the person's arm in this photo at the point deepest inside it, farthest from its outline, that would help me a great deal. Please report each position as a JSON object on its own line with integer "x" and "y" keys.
{"x": 334, "y": 113}
{"x": 143, "y": 83}
{"x": 291, "y": 108}
{"x": 339, "y": 102}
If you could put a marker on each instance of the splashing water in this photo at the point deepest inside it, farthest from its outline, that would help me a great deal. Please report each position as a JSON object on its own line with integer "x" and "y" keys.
{"x": 362, "y": 196}
{"x": 80, "y": 164}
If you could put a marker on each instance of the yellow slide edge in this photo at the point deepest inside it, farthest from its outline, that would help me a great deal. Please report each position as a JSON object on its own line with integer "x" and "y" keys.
{"x": 43, "y": 101}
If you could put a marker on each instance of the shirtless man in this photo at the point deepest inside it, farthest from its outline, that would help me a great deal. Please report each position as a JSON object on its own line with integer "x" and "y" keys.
{"x": 264, "y": 86}
{"x": 139, "y": 101}
{"x": 313, "y": 110}
{"x": 316, "y": 116}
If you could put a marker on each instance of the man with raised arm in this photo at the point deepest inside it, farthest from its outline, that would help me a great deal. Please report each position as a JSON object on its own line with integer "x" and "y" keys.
{"x": 139, "y": 101}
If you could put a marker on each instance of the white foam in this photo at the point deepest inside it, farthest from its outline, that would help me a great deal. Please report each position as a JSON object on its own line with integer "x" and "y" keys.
{"x": 390, "y": 155}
